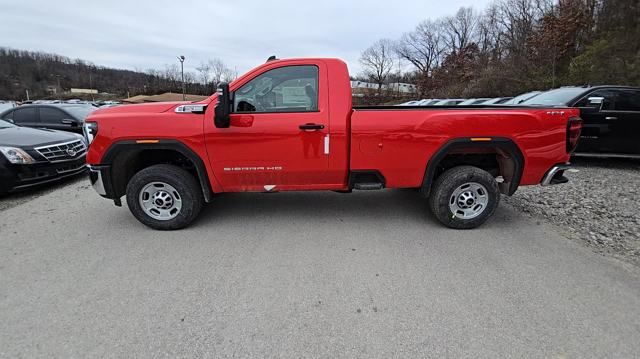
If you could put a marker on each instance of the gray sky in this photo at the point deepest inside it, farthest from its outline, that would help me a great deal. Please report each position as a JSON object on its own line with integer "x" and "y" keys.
{"x": 142, "y": 34}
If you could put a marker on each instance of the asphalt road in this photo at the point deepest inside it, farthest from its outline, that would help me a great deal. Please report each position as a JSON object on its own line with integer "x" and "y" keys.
{"x": 303, "y": 275}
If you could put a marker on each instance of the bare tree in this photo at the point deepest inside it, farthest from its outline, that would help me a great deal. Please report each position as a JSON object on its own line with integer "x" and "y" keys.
{"x": 519, "y": 19}
{"x": 460, "y": 29}
{"x": 230, "y": 75}
{"x": 204, "y": 69}
{"x": 377, "y": 61}
{"x": 219, "y": 72}
{"x": 422, "y": 47}
{"x": 490, "y": 33}
{"x": 172, "y": 76}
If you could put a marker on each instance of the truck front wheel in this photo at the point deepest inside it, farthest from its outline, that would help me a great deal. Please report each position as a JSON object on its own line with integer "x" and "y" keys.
{"x": 464, "y": 197}
{"x": 164, "y": 197}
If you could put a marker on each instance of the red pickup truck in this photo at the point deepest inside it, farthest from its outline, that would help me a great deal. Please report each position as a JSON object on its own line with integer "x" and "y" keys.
{"x": 289, "y": 125}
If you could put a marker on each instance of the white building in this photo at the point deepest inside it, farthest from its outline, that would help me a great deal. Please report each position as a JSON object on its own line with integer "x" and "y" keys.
{"x": 402, "y": 87}
{"x": 398, "y": 87}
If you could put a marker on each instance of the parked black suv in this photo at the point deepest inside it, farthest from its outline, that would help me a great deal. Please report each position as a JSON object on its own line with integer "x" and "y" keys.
{"x": 30, "y": 156}
{"x": 65, "y": 117}
{"x": 611, "y": 117}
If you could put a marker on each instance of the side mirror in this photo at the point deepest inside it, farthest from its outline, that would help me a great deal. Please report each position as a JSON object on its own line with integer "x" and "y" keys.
{"x": 10, "y": 120}
{"x": 595, "y": 103}
{"x": 68, "y": 121}
{"x": 223, "y": 108}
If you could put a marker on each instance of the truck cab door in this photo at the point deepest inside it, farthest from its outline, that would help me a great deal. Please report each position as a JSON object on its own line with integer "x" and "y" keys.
{"x": 278, "y": 134}
{"x": 598, "y": 125}
{"x": 625, "y": 116}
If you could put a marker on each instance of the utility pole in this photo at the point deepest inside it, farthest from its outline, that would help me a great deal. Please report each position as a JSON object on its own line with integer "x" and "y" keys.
{"x": 59, "y": 90}
{"x": 553, "y": 66}
{"x": 91, "y": 86}
{"x": 181, "y": 59}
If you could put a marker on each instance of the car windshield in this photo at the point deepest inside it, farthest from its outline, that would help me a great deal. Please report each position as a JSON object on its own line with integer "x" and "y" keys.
{"x": 5, "y": 124}
{"x": 522, "y": 97}
{"x": 557, "y": 97}
{"x": 80, "y": 112}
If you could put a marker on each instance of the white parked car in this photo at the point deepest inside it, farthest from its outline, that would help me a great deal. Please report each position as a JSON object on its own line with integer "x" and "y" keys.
{"x": 473, "y": 101}
{"x": 448, "y": 102}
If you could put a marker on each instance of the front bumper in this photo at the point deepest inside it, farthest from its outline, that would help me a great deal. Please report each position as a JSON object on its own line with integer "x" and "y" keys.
{"x": 100, "y": 177}
{"x": 556, "y": 175}
{"x": 95, "y": 176}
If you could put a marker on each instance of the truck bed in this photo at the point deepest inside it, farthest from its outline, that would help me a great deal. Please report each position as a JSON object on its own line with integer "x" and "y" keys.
{"x": 399, "y": 140}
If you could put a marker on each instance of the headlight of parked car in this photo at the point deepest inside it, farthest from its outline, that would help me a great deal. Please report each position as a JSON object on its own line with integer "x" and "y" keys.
{"x": 16, "y": 155}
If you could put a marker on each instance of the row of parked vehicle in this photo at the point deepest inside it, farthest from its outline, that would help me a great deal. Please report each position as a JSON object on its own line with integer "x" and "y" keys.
{"x": 473, "y": 101}
{"x": 41, "y": 142}
{"x": 75, "y": 101}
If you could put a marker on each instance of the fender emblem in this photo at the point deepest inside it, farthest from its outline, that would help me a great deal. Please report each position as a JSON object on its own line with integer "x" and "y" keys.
{"x": 190, "y": 109}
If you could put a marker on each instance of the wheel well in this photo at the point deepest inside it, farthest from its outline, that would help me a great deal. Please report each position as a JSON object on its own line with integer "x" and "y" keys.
{"x": 502, "y": 159}
{"x": 127, "y": 163}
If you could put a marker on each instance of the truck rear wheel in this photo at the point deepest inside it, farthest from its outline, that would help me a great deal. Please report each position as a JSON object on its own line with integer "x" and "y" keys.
{"x": 164, "y": 197}
{"x": 464, "y": 197}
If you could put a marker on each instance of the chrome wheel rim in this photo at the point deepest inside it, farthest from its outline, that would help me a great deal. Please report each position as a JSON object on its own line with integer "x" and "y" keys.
{"x": 160, "y": 200}
{"x": 469, "y": 200}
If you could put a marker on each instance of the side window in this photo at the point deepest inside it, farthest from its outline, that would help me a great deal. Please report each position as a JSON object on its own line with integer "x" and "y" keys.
{"x": 51, "y": 115}
{"x": 285, "y": 89}
{"x": 607, "y": 104}
{"x": 25, "y": 115}
{"x": 628, "y": 100}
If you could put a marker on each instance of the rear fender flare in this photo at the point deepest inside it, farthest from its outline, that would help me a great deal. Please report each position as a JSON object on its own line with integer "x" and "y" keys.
{"x": 504, "y": 144}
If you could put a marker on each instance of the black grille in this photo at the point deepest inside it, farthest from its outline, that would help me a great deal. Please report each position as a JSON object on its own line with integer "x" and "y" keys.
{"x": 63, "y": 151}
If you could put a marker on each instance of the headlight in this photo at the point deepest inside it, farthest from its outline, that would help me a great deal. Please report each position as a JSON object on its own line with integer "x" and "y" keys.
{"x": 16, "y": 155}
{"x": 90, "y": 130}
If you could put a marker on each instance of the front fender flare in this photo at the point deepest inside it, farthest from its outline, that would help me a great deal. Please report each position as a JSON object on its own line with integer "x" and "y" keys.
{"x": 164, "y": 144}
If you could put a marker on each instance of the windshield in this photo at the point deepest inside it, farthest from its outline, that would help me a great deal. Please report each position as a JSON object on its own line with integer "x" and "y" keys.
{"x": 81, "y": 112}
{"x": 523, "y": 97}
{"x": 557, "y": 97}
{"x": 5, "y": 124}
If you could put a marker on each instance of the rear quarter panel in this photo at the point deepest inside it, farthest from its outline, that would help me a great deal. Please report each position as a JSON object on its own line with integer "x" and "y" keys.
{"x": 400, "y": 142}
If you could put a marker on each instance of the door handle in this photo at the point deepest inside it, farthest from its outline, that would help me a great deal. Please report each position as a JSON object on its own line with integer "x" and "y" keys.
{"x": 311, "y": 126}
{"x": 610, "y": 118}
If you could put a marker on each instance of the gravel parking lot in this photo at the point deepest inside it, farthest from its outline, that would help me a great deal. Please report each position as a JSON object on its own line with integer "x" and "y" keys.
{"x": 598, "y": 207}
{"x": 303, "y": 275}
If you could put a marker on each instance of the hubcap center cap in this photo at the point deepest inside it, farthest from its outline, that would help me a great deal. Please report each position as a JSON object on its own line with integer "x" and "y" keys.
{"x": 466, "y": 199}
{"x": 162, "y": 200}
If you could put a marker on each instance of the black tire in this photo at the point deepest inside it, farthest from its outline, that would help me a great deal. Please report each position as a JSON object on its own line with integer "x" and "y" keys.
{"x": 183, "y": 182}
{"x": 451, "y": 180}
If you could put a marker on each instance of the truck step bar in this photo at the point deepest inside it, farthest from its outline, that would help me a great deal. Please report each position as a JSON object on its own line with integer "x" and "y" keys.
{"x": 368, "y": 186}
{"x": 366, "y": 180}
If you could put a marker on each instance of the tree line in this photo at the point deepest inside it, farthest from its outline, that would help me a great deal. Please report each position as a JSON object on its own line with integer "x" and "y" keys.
{"x": 46, "y": 75}
{"x": 514, "y": 46}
